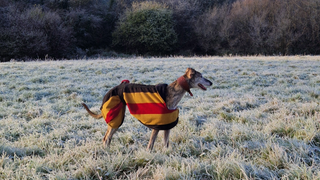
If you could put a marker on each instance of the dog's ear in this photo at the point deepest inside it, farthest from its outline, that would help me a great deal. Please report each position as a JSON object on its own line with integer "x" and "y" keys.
{"x": 190, "y": 73}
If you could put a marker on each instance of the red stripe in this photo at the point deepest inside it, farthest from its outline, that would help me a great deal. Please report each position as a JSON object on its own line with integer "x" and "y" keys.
{"x": 114, "y": 112}
{"x": 149, "y": 108}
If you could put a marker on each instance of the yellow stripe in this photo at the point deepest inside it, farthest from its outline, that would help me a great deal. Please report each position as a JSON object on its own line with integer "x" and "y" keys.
{"x": 157, "y": 119}
{"x": 142, "y": 97}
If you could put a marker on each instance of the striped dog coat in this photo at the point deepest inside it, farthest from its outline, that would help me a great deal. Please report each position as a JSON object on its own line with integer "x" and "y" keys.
{"x": 145, "y": 102}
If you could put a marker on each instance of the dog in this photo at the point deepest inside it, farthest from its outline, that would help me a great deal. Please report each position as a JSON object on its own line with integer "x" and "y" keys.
{"x": 153, "y": 105}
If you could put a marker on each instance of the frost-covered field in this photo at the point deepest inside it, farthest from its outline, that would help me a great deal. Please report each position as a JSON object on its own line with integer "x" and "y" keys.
{"x": 259, "y": 120}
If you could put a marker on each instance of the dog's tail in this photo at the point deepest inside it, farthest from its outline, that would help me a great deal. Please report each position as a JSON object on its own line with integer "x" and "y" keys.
{"x": 97, "y": 116}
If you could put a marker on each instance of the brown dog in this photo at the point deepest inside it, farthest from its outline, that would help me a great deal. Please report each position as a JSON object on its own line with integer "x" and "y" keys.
{"x": 154, "y": 106}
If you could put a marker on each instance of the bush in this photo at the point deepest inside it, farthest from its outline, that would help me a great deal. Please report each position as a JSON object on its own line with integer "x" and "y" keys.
{"x": 92, "y": 25}
{"x": 299, "y": 27}
{"x": 208, "y": 28}
{"x": 261, "y": 27}
{"x": 247, "y": 26}
{"x": 63, "y": 28}
{"x": 184, "y": 14}
{"x": 54, "y": 28}
{"x": 33, "y": 33}
{"x": 146, "y": 28}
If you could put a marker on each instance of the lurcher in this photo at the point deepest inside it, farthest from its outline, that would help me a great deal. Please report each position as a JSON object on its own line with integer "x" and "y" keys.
{"x": 153, "y": 105}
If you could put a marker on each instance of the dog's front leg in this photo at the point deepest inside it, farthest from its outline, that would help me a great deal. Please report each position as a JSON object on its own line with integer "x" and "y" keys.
{"x": 108, "y": 136}
{"x": 166, "y": 137}
{"x": 153, "y": 137}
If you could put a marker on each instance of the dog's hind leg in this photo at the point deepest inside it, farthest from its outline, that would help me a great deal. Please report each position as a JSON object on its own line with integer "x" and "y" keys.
{"x": 153, "y": 137}
{"x": 108, "y": 136}
{"x": 166, "y": 137}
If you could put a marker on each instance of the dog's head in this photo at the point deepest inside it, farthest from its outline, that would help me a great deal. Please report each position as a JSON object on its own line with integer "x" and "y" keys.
{"x": 195, "y": 79}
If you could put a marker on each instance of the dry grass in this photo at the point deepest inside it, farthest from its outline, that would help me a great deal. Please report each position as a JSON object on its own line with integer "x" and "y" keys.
{"x": 260, "y": 120}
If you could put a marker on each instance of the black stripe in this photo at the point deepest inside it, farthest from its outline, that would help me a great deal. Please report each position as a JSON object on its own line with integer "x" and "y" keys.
{"x": 130, "y": 88}
{"x": 115, "y": 91}
{"x": 162, "y": 90}
{"x": 164, "y": 127}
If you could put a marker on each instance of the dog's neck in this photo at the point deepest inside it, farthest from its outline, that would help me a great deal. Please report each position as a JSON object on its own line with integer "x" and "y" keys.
{"x": 176, "y": 91}
{"x": 184, "y": 84}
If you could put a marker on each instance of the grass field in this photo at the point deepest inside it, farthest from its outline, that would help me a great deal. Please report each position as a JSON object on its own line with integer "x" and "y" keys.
{"x": 259, "y": 120}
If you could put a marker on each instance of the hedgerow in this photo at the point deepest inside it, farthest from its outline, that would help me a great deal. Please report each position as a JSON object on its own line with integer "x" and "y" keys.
{"x": 68, "y": 29}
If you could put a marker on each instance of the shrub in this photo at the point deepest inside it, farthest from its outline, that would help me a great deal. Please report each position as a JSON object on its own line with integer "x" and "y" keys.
{"x": 92, "y": 25}
{"x": 298, "y": 22}
{"x": 59, "y": 29}
{"x": 184, "y": 13}
{"x": 146, "y": 28}
{"x": 208, "y": 28}
{"x": 21, "y": 35}
{"x": 33, "y": 33}
{"x": 247, "y": 26}
{"x": 261, "y": 27}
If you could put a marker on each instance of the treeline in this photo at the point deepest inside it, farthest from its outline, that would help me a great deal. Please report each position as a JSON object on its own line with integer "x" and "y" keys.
{"x": 77, "y": 28}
